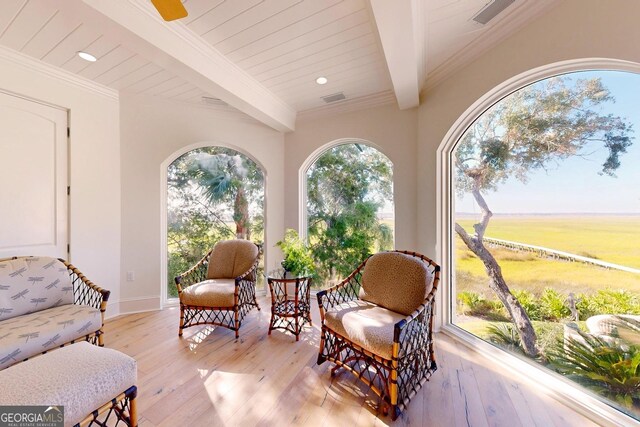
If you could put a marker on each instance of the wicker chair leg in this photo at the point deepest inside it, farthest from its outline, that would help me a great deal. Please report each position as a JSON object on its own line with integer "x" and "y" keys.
{"x": 180, "y": 329}
{"x": 133, "y": 410}
{"x": 100, "y": 338}
{"x": 237, "y": 322}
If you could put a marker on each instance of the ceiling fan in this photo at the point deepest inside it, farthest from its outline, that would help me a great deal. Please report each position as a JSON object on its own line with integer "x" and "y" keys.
{"x": 170, "y": 9}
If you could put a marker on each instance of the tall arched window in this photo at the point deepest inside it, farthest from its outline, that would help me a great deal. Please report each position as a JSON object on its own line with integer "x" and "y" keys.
{"x": 545, "y": 225}
{"x": 213, "y": 193}
{"x": 350, "y": 210}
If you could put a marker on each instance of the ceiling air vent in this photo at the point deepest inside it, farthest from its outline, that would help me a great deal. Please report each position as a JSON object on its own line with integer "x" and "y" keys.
{"x": 209, "y": 100}
{"x": 491, "y": 10}
{"x": 334, "y": 98}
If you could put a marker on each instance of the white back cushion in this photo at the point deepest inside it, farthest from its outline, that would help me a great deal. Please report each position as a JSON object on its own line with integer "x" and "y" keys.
{"x": 31, "y": 284}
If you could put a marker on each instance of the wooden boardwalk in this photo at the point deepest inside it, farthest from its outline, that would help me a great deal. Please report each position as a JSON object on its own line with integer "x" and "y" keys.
{"x": 208, "y": 378}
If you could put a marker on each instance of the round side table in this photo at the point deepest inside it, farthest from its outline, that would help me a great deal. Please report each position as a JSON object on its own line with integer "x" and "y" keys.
{"x": 290, "y": 301}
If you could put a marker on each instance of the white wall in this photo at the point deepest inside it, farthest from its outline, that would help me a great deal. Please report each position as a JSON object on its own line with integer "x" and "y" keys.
{"x": 392, "y": 130}
{"x": 574, "y": 29}
{"x": 94, "y": 166}
{"x": 152, "y": 130}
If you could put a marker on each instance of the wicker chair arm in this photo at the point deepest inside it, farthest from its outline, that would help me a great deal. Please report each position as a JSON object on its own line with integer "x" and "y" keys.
{"x": 85, "y": 292}
{"x": 195, "y": 274}
{"x": 345, "y": 291}
{"x": 414, "y": 331}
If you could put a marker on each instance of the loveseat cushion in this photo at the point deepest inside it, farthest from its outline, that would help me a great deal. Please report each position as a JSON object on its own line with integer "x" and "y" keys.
{"x": 210, "y": 293}
{"x": 367, "y": 325}
{"x": 31, "y": 284}
{"x": 81, "y": 377}
{"x": 31, "y": 334}
{"x": 231, "y": 258}
{"x": 396, "y": 281}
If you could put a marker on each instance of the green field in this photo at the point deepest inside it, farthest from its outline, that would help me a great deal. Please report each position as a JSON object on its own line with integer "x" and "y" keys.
{"x": 608, "y": 238}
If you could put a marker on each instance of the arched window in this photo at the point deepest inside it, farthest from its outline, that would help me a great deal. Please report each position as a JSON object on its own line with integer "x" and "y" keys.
{"x": 544, "y": 214}
{"x": 350, "y": 210}
{"x": 213, "y": 193}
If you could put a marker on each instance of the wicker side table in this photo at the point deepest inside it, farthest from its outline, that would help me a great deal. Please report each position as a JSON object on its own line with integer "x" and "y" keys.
{"x": 290, "y": 302}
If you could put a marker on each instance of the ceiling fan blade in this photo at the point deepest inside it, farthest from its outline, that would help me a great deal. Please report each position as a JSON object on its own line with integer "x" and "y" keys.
{"x": 170, "y": 9}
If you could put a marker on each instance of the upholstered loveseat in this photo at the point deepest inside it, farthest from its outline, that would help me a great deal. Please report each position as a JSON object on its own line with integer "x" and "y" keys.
{"x": 46, "y": 303}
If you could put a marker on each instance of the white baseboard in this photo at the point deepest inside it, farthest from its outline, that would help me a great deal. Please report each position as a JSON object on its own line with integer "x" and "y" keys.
{"x": 135, "y": 305}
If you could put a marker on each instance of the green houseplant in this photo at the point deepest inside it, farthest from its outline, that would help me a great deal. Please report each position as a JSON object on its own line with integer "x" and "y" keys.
{"x": 298, "y": 259}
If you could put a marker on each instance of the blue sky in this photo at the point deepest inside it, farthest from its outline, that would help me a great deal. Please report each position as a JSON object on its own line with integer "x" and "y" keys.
{"x": 573, "y": 185}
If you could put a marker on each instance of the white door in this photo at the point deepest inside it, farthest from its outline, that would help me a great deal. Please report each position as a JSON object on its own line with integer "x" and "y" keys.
{"x": 33, "y": 178}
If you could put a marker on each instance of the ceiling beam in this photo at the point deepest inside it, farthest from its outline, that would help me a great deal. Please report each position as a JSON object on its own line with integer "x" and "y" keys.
{"x": 398, "y": 35}
{"x": 195, "y": 60}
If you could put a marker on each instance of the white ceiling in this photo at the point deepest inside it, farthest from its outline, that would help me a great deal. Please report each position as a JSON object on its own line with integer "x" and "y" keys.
{"x": 263, "y": 56}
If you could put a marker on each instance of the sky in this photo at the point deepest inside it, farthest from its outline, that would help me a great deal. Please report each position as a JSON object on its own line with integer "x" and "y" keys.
{"x": 573, "y": 185}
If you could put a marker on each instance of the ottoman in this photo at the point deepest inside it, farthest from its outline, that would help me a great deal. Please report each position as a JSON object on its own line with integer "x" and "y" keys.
{"x": 87, "y": 380}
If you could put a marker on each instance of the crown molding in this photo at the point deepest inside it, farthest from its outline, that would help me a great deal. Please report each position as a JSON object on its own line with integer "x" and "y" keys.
{"x": 32, "y": 64}
{"x": 499, "y": 30}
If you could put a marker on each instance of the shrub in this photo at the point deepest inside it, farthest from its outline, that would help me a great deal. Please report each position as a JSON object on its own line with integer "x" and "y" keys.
{"x": 606, "y": 368}
{"x": 553, "y": 305}
{"x": 474, "y": 304}
{"x": 506, "y": 336}
{"x": 608, "y": 301}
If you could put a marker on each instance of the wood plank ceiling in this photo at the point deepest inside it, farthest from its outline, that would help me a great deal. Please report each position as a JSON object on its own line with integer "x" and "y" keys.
{"x": 283, "y": 44}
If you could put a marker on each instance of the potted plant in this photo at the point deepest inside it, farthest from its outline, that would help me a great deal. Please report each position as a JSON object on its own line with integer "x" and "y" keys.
{"x": 298, "y": 260}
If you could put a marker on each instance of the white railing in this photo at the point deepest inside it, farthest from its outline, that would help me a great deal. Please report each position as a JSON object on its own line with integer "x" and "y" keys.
{"x": 552, "y": 253}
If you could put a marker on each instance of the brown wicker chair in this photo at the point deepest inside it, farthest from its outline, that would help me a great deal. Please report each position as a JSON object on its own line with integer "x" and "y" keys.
{"x": 221, "y": 288}
{"x": 377, "y": 324}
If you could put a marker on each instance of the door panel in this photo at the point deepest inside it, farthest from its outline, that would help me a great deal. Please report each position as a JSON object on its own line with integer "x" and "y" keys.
{"x": 33, "y": 178}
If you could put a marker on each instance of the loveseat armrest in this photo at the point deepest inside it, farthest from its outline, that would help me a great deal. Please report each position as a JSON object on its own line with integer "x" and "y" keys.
{"x": 195, "y": 274}
{"x": 345, "y": 291}
{"x": 85, "y": 292}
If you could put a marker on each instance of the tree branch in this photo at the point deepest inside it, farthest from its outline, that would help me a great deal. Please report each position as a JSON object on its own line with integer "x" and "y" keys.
{"x": 481, "y": 227}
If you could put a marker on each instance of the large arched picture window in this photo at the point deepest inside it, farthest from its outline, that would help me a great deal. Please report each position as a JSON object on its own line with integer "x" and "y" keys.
{"x": 545, "y": 230}
{"x": 213, "y": 193}
{"x": 350, "y": 211}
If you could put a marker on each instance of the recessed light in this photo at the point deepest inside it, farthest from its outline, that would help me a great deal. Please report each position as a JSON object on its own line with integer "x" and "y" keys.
{"x": 87, "y": 56}
{"x": 322, "y": 80}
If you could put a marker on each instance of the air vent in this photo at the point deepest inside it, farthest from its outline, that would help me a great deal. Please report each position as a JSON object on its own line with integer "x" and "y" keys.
{"x": 209, "y": 100}
{"x": 492, "y": 10}
{"x": 334, "y": 98}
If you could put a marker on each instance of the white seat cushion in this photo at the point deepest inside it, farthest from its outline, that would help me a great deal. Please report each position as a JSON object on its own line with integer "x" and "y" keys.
{"x": 31, "y": 334}
{"x": 81, "y": 377}
{"x": 210, "y": 293}
{"x": 366, "y": 324}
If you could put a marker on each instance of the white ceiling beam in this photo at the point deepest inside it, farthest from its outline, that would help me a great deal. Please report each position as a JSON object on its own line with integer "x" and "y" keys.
{"x": 196, "y": 61}
{"x": 397, "y": 28}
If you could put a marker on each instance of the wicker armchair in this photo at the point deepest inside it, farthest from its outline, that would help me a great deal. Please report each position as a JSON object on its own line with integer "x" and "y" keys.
{"x": 221, "y": 288}
{"x": 377, "y": 324}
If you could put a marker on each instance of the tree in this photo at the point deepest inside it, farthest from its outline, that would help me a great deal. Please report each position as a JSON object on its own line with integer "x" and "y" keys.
{"x": 226, "y": 176}
{"x": 536, "y": 126}
{"x": 346, "y": 186}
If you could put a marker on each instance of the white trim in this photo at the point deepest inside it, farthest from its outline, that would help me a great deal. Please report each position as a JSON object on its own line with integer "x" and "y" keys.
{"x": 164, "y": 300}
{"x": 563, "y": 391}
{"x": 48, "y": 70}
{"x": 311, "y": 159}
{"x": 137, "y": 305}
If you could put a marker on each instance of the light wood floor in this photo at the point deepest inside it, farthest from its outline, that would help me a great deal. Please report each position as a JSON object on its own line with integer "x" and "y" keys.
{"x": 208, "y": 378}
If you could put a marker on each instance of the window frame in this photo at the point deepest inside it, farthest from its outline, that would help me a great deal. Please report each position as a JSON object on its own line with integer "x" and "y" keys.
{"x": 549, "y": 383}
